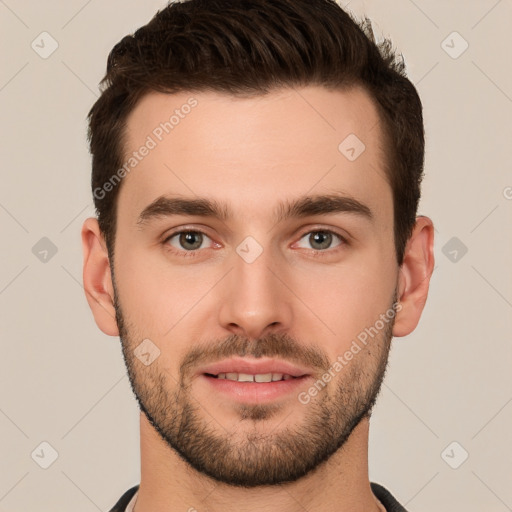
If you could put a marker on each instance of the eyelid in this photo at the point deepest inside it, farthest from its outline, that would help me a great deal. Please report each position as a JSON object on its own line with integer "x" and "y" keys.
{"x": 316, "y": 228}
{"x": 184, "y": 229}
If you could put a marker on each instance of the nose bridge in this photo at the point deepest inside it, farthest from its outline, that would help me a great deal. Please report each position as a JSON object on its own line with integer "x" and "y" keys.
{"x": 254, "y": 299}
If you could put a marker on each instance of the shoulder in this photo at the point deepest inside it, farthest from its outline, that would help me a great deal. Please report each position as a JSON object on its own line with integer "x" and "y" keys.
{"x": 386, "y": 498}
{"x": 120, "y": 506}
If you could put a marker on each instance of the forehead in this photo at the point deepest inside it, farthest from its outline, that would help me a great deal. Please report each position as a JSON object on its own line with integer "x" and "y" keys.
{"x": 251, "y": 152}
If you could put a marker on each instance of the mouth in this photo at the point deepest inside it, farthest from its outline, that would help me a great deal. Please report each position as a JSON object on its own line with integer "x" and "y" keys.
{"x": 254, "y": 381}
{"x": 258, "y": 377}
{"x": 254, "y": 370}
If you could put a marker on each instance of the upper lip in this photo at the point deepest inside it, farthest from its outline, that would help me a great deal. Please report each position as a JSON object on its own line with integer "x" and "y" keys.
{"x": 254, "y": 367}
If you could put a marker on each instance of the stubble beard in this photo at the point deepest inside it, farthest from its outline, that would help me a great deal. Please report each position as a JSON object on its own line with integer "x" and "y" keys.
{"x": 250, "y": 454}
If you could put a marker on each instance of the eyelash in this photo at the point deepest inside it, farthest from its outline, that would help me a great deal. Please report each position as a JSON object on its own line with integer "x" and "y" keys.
{"x": 194, "y": 253}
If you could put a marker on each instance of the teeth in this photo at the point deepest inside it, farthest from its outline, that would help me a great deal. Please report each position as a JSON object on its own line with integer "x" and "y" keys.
{"x": 260, "y": 377}
{"x": 264, "y": 377}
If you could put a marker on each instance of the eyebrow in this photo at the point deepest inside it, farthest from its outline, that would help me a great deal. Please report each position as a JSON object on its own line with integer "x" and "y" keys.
{"x": 305, "y": 206}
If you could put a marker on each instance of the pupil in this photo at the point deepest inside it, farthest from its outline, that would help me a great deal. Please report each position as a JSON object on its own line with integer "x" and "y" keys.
{"x": 322, "y": 238}
{"x": 188, "y": 238}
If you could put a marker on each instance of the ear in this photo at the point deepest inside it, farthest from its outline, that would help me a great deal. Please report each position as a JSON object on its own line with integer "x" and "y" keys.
{"x": 97, "y": 277}
{"x": 414, "y": 276}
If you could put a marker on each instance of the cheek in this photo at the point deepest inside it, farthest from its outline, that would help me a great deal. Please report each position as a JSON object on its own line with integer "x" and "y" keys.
{"x": 142, "y": 296}
{"x": 156, "y": 297}
{"x": 346, "y": 299}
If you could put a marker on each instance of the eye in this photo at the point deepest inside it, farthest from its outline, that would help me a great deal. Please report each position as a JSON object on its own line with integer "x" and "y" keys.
{"x": 321, "y": 240}
{"x": 187, "y": 240}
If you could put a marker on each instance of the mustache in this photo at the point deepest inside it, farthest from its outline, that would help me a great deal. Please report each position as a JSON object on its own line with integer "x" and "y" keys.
{"x": 280, "y": 345}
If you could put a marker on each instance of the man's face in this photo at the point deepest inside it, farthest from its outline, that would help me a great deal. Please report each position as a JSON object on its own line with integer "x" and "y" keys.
{"x": 264, "y": 291}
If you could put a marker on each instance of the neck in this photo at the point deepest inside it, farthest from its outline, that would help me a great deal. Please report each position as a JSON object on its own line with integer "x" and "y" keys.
{"x": 169, "y": 484}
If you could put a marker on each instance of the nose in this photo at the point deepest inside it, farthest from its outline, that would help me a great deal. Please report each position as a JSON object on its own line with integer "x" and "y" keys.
{"x": 254, "y": 299}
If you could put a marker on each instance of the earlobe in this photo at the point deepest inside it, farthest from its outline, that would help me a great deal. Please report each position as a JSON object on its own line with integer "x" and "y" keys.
{"x": 97, "y": 277}
{"x": 414, "y": 276}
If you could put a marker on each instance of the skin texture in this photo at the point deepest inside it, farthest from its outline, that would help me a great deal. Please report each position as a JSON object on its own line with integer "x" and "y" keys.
{"x": 298, "y": 301}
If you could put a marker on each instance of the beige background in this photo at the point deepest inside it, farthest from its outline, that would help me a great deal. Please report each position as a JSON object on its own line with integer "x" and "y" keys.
{"x": 63, "y": 382}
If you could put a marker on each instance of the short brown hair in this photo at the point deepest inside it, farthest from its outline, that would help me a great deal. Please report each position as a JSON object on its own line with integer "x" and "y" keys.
{"x": 251, "y": 47}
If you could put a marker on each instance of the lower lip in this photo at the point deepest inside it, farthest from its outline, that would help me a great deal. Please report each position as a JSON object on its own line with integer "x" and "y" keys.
{"x": 256, "y": 391}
